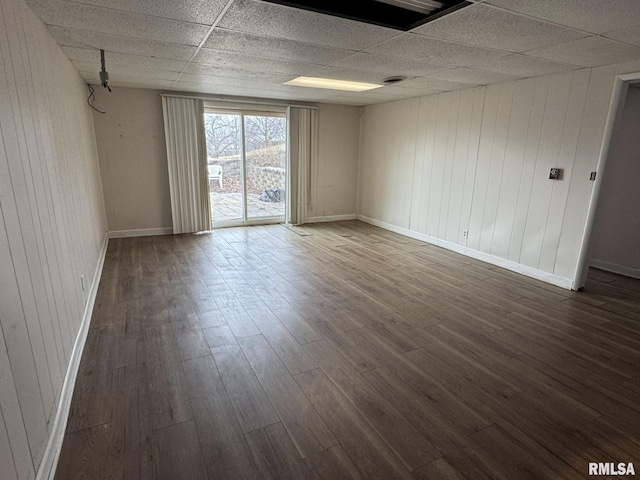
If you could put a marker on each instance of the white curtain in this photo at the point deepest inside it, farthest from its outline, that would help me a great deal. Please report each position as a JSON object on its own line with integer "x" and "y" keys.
{"x": 303, "y": 154}
{"x": 187, "y": 160}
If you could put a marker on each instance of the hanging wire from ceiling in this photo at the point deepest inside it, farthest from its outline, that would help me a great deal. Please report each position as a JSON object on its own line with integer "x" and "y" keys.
{"x": 92, "y": 98}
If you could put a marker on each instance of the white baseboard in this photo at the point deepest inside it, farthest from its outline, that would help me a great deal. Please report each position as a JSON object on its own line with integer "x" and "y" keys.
{"x": 142, "y": 232}
{"x": 615, "y": 268}
{"x": 47, "y": 468}
{"x": 469, "y": 252}
{"x": 332, "y": 218}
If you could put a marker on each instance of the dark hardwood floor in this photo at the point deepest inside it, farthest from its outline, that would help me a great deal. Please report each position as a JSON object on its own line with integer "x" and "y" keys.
{"x": 342, "y": 350}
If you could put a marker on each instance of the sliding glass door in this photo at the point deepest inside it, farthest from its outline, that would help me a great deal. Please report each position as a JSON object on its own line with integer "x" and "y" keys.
{"x": 247, "y": 161}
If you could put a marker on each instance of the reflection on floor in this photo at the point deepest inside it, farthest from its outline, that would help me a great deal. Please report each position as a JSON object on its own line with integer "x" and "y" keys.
{"x": 228, "y": 206}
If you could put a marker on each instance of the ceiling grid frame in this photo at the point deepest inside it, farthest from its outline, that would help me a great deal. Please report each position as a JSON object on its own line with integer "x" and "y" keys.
{"x": 263, "y": 69}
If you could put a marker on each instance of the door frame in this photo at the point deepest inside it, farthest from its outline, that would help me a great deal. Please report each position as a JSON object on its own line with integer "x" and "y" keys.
{"x": 243, "y": 111}
{"x": 616, "y": 109}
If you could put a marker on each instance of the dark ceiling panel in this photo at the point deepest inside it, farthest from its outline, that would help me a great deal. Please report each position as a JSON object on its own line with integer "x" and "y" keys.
{"x": 376, "y": 13}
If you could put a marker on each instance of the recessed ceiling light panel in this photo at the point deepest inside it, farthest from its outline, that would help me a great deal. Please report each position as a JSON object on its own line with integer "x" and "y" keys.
{"x": 332, "y": 84}
{"x": 398, "y": 14}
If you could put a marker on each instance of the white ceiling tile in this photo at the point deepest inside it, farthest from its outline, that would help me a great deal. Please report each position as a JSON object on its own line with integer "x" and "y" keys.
{"x": 366, "y": 98}
{"x": 136, "y": 84}
{"x": 114, "y": 58}
{"x": 429, "y": 83}
{"x": 233, "y": 73}
{"x": 208, "y": 59}
{"x": 269, "y": 47}
{"x": 210, "y": 89}
{"x": 523, "y": 66}
{"x": 472, "y": 76}
{"x": 116, "y": 70}
{"x": 126, "y": 81}
{"x": 340, "y": 73}
{"x": 434, "y": 51}
{"x": 194, "y": 11}
{"x": 309, "y": 95}
{"x": 259, "y": 45}
{"x": 402, "y": 92}
{"x": 117, "y": 43}
{"x": 228, "y": 81}
{"x": 387, "y": 65}
{"x": 256, "y": 92}
{"x": 386, "y": 93}
{"x": 626, "y": 35}
{"x": 263, "y": 18}
{"x": 595, "y": 16}
{"x": 74, "y": 15}
{"x": 589, "y": 52}
{"x": 489, "y": 27}
{"x": 355, "y": 101}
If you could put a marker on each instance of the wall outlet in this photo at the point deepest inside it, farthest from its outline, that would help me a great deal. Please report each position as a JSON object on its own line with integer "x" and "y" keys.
{"x": 465, "y": 233}
{"x": 82, "y": 282}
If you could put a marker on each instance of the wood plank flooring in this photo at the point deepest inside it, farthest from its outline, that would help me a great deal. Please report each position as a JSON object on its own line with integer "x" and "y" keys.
{"x": 345, "y": 351}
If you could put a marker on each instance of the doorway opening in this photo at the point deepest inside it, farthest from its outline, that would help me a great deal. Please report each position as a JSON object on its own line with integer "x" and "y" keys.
{"x": 609, "y": 257}
{"x": 247, "y": 165}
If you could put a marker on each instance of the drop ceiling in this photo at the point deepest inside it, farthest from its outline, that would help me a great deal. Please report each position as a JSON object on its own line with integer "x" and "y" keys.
{"x": 252, "y": 47}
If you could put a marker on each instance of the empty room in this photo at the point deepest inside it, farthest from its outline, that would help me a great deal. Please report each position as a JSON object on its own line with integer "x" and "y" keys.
{"x": 314, "y": 239}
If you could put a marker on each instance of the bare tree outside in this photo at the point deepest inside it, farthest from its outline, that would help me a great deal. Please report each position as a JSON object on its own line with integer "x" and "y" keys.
{"x": 223, "y": 135}
{"x": 263, "y": 131}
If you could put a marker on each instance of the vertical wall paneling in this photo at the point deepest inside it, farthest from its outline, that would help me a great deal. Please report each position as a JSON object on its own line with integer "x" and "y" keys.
{"x": 424, "y": 157}
{"x": 26, "y": 350}
{"x": 481, "y": 163}
{"x": 405, "y": 149}
{"x": 45, "y": 205}
{"x": 550, "y": 140}
{"x": 438, "y": 166}
{"x": 10, "y": 406}
{"x": 418, "y": 166}
{"x": 525, "y": 180}
{"x": 496, "y": 166}
{"x": 458, "y": 168}
{"x": 48, "y": 372}
{"x": 52, "y": 229}
{"x": 566, "y": 160}
{"x": 472, "y": 160}
{"x": 7, "y": 466}
{"x": 449, "y": 161}
{"x": 485, "y": 150}
{"x": 514, "y": 153}
{"x": 596, "y": 109}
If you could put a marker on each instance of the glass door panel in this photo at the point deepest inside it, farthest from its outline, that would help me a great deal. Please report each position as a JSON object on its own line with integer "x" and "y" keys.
{"x": 224, "y": 162}
{"x": 266, "y": 160}
{"x": 247, "y": 162}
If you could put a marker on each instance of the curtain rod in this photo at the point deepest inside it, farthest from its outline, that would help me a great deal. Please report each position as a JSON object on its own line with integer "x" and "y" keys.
{"x": 268, "y": 103}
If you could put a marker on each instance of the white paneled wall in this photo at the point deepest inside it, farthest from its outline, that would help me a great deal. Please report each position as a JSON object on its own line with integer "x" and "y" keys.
{"x": 52, "y": 227}
{"x": 479, "y": 160}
